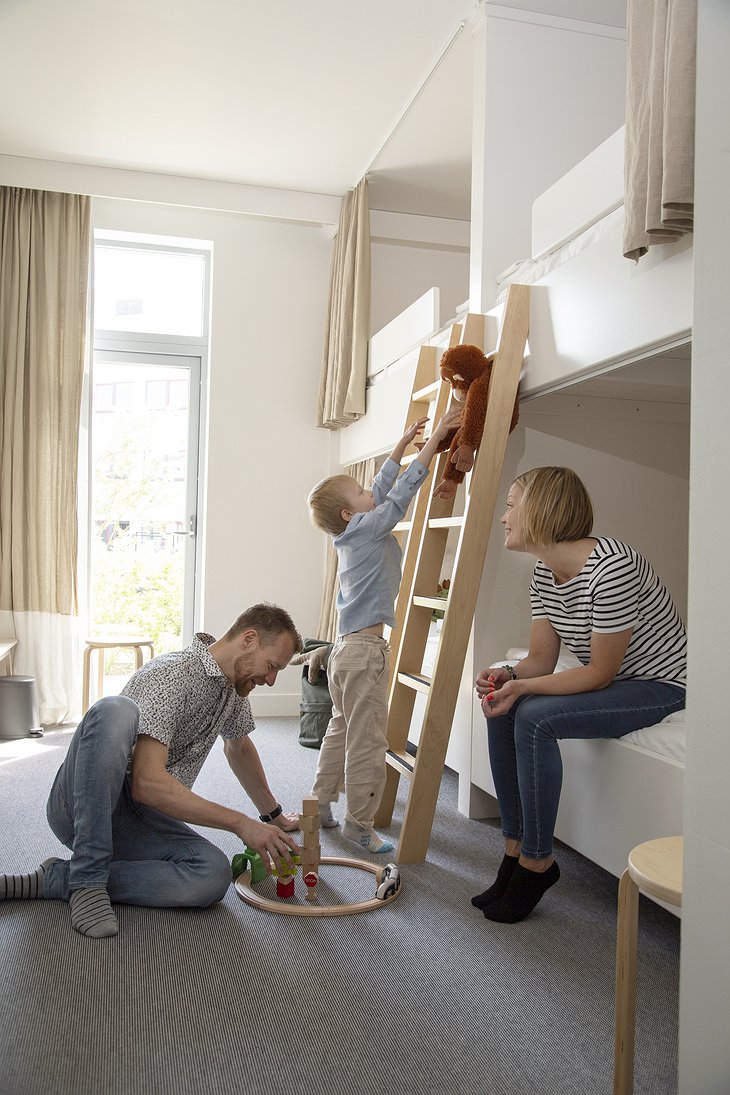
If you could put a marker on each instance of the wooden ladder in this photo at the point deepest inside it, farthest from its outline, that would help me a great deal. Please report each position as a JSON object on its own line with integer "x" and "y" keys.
{"x": 423, "y": 554}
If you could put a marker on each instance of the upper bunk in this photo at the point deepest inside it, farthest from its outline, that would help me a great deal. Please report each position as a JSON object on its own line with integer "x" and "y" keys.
{"x": 591, "y": 309}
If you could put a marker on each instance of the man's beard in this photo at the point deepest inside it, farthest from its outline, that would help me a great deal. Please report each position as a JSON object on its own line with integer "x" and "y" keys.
{"x": 243, "y": 681}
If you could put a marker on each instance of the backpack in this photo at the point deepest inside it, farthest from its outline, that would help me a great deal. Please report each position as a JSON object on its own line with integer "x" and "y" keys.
{"x": 315, "y": 710}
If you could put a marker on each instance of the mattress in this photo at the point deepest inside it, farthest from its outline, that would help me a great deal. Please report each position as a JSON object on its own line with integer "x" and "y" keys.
{"x": 666, "y": 738}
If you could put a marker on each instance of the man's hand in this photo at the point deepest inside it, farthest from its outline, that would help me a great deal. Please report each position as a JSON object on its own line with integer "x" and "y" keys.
{"x": 288, "y": 823}
{"x": 270, "y": 841}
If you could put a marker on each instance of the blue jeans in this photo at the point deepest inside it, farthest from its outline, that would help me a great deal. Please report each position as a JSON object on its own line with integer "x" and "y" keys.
{"x": 525, "y": 756}
{"x": 141, "y": 856}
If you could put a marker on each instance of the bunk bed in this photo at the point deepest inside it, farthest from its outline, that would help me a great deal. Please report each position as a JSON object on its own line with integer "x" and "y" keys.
{"x": 605, "y": 388}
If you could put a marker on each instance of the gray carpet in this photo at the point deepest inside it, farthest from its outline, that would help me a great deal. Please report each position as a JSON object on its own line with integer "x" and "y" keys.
{"x": 424, "y": 995}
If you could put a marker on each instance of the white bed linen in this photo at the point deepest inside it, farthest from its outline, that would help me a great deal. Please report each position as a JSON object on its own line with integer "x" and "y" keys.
{"x": 528, "y": 271}
{"x": 666, "y": 738}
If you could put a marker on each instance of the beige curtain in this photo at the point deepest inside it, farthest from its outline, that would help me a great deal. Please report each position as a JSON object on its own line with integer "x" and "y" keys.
{"x": 364, "y": 472}
{"x": 660, "y": 102}
{"x": 345, "y": 357}
{"x": 45, "y": 245}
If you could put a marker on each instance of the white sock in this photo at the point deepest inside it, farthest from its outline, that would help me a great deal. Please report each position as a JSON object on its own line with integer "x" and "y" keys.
{"x": 326, "y": 820}
{"x": 367, "y": 839}
{"x": 92, "y": 914}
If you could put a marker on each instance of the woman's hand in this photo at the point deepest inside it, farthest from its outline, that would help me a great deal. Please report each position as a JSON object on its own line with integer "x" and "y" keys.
{"x": 489, "y": 679}
{"x": 500, "y": 702}
{"x": 497, "y": 691}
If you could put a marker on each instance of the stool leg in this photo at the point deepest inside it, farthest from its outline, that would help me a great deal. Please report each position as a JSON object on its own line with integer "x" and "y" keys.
{"x": 626, "y": 945}
{"x": 101, "y": 658}
{"x": 86, "y": 682}
{"x": 137, "y": 657}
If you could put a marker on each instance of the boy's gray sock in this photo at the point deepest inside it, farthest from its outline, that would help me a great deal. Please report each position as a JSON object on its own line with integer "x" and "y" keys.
{"x": 92, "y": 914}
{"x": 24, "y": 887}
{"x": 367, "y": 839}
{"x": 326, "y": 818}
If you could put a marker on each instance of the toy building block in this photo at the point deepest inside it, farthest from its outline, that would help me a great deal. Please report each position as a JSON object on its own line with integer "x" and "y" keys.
{"x": 310, "y": 807}
{"x": 309, "y": 823}
{"x": 311, "y": 878}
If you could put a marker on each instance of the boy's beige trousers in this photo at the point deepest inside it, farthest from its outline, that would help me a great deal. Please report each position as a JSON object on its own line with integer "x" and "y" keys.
{"x": 353, "y": 750}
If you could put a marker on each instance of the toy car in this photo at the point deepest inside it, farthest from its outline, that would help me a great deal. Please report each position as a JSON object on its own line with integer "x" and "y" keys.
{"x": 389, "y": 882}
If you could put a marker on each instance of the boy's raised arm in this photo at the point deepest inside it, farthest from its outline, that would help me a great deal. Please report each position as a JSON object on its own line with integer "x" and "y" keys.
{"x": 448, "y": 422}
{"x": 408, "y": 437}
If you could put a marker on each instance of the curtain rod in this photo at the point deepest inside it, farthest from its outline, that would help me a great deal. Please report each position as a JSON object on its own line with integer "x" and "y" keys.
{"x": 415, "y": 97}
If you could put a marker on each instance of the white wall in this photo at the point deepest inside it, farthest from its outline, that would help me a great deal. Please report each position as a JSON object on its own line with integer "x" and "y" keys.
{"x": 402, "y": 274}
{"x": 704, "y": 1054}
{"x": 545, "y": 96}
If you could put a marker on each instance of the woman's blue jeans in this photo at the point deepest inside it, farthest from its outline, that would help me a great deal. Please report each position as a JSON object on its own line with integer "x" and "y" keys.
{"x": 141, "y": 856}
{"x": 525, "y": 756}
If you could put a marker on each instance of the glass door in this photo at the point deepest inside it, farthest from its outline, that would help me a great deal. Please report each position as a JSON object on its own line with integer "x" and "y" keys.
{"x": 145, "y": 418}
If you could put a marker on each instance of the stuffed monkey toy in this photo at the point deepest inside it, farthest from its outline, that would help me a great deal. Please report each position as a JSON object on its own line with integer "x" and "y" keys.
{"x": 468, "y": 371}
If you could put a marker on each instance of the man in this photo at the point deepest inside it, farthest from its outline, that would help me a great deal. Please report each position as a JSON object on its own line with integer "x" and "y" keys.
{"x": 123, "y": 821}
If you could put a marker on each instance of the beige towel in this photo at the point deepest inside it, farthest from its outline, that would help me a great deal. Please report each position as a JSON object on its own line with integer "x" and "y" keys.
{"x": 659, "y": 151}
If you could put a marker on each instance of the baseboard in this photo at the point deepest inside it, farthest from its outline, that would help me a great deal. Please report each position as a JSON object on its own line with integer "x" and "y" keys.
{"x": 274, "y": 704}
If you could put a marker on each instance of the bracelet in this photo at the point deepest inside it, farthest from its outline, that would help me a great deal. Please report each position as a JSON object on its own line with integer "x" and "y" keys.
{"x": 511, "y": 670}
{"x": 278, "y": 809}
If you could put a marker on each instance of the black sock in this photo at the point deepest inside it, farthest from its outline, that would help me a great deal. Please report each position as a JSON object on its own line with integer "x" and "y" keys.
{"x": 522, "y": 894}
{"x": 495, "y": 891}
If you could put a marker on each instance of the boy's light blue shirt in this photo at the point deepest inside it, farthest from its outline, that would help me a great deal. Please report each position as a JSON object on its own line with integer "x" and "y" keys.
{"x": 369, "y": 556}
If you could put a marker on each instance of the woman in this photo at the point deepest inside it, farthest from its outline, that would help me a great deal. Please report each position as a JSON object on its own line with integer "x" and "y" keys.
{"x": 602, "y": 599}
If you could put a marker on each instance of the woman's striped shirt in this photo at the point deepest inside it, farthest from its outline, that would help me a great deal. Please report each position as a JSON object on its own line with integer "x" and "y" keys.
{"x": 616, "y": 589}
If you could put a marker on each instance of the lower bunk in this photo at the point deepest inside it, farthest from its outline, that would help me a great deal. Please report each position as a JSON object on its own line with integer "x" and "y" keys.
{"x": 617, "y": 792}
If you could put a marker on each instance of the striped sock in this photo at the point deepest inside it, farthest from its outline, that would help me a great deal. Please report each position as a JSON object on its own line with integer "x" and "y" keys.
{"x": 24, "y": 887}
{"x": 92, "y": 914}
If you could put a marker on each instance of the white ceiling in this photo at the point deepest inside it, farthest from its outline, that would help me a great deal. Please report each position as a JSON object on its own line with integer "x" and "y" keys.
{"x": 304, "y": 96}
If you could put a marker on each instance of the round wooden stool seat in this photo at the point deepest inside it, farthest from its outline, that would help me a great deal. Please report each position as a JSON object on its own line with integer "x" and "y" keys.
{"x": 655, "y": 868}
{"x": 139, "y": 645}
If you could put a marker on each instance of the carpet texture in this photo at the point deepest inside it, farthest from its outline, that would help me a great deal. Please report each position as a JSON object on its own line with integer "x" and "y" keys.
{"x": 424, "y": 995}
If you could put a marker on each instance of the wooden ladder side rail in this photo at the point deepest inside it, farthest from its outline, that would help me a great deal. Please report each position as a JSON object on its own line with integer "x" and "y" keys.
{"x": 422, "y": 571}
{"x": 464, "y": 588}
{"x": 437, "y": 393}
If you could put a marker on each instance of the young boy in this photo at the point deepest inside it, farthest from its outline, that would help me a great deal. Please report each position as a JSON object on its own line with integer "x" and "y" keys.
{"x": 369, "y": 566}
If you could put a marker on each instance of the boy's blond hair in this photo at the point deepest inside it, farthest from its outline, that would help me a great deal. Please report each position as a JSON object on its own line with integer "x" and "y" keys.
{"x": 555, "y": 506}
{"x": 326, "y": 502}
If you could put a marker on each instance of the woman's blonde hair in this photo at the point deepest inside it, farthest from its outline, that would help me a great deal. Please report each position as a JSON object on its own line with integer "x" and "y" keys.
{"x": 326, "y": 502}
{"x": 555, "y": 506}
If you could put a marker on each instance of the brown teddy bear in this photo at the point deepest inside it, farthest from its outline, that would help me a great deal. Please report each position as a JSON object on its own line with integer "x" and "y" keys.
{"x": 468, "y": 371}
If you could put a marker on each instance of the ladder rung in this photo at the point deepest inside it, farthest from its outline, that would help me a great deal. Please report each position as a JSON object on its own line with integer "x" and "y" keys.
{"x": 425, "y": 395}
{"x": 417, "y": 681}
{"x": 403, "y": 762}
{"x": 437, "y": 603}
{"x": 403, "y": 526}
{"x": 446, "y": 522}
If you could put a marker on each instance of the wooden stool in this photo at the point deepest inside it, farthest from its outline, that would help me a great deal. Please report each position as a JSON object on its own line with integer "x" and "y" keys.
{"x": 656, "y": 868}
{"x": 109, "y": 643}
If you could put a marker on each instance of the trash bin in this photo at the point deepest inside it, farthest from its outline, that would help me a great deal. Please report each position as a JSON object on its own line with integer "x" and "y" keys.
{"x": 18, "y": 708}
{"x": 315, "y": 710}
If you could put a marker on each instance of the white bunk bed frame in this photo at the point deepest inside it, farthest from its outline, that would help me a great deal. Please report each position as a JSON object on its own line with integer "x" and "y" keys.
{"x": 591, "y": 311}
